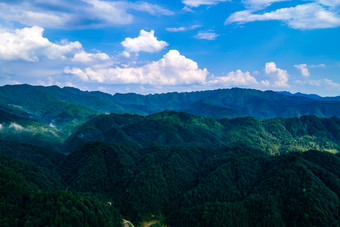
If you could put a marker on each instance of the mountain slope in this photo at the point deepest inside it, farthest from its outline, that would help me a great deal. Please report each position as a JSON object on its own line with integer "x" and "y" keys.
{"x": 275, "y": 136}
{"x": 24, "y": 130}
{"x": 195, "y": 186}
{"x": 42, "y": 104}
{"x": 29, "y": 198}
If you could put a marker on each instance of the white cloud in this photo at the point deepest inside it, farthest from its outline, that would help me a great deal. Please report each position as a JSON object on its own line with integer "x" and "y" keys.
{"x": 206, "y": 35}
{"x": 331, "y": 83}
{"x": 281, "y": 76}
{"x": 179, "y": 29}
{"x": 85, "y": 57}
{"x": 183, "y": 29}
{"x": 172, "y": 69}
{"x": 234, "y": 78}
{"x": 197, "y": 3}
{"x": 76, "y": 13}
{"x": 78, "y": 72}
{"x": 108, "y": 12}
{"x": 149, "y": 8}
{"x": 303, "y": 69}
{"x": 259, "y": 4}
{"x": 331, "y": 3}
{"x": 28, "y": 44}
{"x": 29, "y": 15}
{"x": 307, "y": 16}
{"x": 318, "y": 66}
{"x": 309, "y": 82}
{"x": 265, "y": 83}
{"x": 317, "y": 83}
{"x": 1, "y": 127}
{"x": 146, "y": 42}
{"x": 16, "y": 126}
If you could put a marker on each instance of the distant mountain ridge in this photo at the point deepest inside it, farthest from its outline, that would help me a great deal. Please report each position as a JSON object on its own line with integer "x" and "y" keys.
{"x": 311, "y": 96}
{"x": 69, "y": 107}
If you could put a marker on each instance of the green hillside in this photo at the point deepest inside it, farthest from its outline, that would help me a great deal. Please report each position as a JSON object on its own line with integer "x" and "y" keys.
{"x": 24, "y": 130}
{"x": 29, "y": 198}
{"x": 195, "y": 186}
{"x": 48, "y": 158}
{"x": 44, "y": 105}
{"x": 274, "y": 136}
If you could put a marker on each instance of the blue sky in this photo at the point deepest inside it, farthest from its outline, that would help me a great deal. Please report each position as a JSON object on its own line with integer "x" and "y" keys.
{"x": 155, "y": 46}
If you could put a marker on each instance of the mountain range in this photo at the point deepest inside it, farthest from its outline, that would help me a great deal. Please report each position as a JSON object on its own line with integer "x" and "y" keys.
{"x": 71, "y": 106}
{"x": 231, "y": 157}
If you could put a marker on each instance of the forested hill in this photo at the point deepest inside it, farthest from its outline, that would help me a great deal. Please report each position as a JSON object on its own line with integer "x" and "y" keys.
{"x": 68, "y": 107}
{"x": 195, "y": 186}
{"x": 274, "y": 136}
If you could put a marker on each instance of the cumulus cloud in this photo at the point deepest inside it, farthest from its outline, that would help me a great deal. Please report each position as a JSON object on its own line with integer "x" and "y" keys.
{"x": 146, "y": 42}
{"x": 281, "y": 76}
{"x": 303, "y": 69}
{"x": 172, "y": 69}
{"x": 206, "y": 35}
{"x": 76, "y": 13}
{"x": 306, "y": 16}
{"x": 28, "y": 44}
{"x": 234, "y": 78}
{"x": 183, "y": 29}
{"x": 197, "y": 3}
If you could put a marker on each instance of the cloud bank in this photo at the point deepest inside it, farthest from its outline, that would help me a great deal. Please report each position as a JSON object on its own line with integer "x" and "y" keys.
{"x": 234, "y": 78}
{"x": 76, "y": 13}
{"x": 172, "y": 69}
{"x": 316, "y": 15}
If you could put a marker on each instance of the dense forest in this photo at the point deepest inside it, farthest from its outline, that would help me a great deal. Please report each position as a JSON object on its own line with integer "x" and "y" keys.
{"x": 34, "y": 196}
{"x": 77, "y": 165}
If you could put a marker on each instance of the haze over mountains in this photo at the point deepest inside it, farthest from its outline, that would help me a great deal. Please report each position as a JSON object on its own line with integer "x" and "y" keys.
{"x": 240, "y": 157}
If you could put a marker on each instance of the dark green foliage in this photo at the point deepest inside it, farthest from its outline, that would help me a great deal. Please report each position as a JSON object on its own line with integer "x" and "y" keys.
{"x": 22, "y": 203}
{"x": 282, "y": 191}
{"x": 38, "y": 155}
{"x": 34, "y": 177}
{"x": 274, "y": 136}
{"x": 193, "y": 186}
